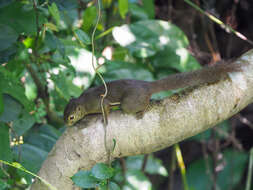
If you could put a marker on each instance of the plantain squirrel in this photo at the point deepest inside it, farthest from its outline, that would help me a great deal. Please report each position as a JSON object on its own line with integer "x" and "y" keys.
{"x": 133, "y": 96}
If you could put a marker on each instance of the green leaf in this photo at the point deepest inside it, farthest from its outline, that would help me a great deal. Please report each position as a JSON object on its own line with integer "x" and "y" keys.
{"x": 123, "y": 8}
{"x": 162, "y": 42}
{"x": 8, "y": 36}
{"x": 83, "y": 36}
{"x": 80, "y": 59}
{"x": 20, "y": 18}
{"x": 89, "y": 18}
{"x": 4, "y": 3}
{"x": 60, "y": 85}
{"x": 145, "y": 38}
{"x": 51, "y": 26}
{"x": 50, "y": 41}
{"x": 38, "y": 142}
{"x": 8, "y": 53}
{"x": 53, "y": 9}
{"x": 3, "y": 185}
{"x": 110, "y": 186}
{"x": 66, "y": 5}
{"x": 11, "y": 85}
{"x": 113, "y": 186}
{"x": 121, "y": 70}
{"x": 12, "y": 109}
{"x": 24, "y": 123}
{"x": 233, "y": 162}
{"x": 30, "y": 88}
{"x": 102, "y": 171}
{"x": 137, "y": 13}
{"x": 43, "y": 137}
{"x": 5, "y": 150}
{"x": 136, "y": 179}
{"x": 32, "y": 156}
{"x": 169, "y": 58}
{"x": 155, "y": 166}
{"x": 84, "y": 179}
{"x": 149, "y": 7}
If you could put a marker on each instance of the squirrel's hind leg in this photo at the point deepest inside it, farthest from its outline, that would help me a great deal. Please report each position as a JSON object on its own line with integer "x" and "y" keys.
{"x": 133, "y": 104}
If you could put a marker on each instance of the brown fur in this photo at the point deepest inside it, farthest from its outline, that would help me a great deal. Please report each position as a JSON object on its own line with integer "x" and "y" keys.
{"x": 134, "y": 95}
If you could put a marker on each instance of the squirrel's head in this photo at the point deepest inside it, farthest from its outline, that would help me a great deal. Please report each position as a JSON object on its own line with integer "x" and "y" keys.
{"x": 73, "y": 112}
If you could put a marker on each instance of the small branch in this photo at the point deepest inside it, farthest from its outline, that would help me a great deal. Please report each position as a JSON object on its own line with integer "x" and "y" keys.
{"x": 172, "y": 169}
{"x": 245, "y": 121}
{"x": 144, "y": 163}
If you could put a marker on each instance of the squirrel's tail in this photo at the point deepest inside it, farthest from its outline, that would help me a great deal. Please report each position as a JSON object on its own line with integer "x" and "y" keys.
{"x": 206, "y": 75}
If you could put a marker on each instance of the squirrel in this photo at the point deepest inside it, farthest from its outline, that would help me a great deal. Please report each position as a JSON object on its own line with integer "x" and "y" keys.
{"x": 133, "y": 96}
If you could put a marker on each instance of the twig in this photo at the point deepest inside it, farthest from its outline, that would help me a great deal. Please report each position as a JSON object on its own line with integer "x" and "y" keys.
{"x": 205, "y": 154}
{"x": 172, "y": 169}
{"x": 231, "y": 138}
{"x": 215, "y": 153}
{"x": 144, "y": 163}
{"x": 233, "y": 11}
{"x": 106, "y": 90}
{"x": 245, "y": 121}
{"x": 37, "y": 26}
{"x": 224, "y": 26}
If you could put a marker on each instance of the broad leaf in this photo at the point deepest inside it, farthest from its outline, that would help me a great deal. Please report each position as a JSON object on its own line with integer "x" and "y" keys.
{"x": 12, "y": 109}
{"x": 24, "y": 123}
{"x": 110, "y": 186}
{"x": 85, "y": 179}
{"x": 11, "y": 85}
{"x": 89, "y": 18}
{"x": 22, "y": 20}
{"x": 55, "y": 13}
{"x": 8, "y": 36}
{"x": 149, "y": 7}
{"x": 231, "y": 171}
{"x": 123, "y": 8}
{"x": 102, "y": 171}
{"x": 123, "y": 70}
{"x": 83, "y": 36}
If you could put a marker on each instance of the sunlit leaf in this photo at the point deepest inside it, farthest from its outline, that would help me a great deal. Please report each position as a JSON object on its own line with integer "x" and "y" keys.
{"x": 137, "y": 13}
{"x": 149, "y": 7}
{"x": 55, "y": 13}
{"x": 51, "y": 26}
{"x": 89, "y": 18}
{"x": 123, "y": 7}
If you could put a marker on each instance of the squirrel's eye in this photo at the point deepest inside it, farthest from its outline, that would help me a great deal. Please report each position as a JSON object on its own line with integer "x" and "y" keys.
{"x": 71, "y": 117}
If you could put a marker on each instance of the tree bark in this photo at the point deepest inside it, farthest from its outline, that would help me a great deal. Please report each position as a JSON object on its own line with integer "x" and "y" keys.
{"x": 167, "y": 122}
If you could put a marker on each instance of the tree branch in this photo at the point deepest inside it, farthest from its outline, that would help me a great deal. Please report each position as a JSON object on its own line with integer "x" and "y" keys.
{"x": 166, "y": 123}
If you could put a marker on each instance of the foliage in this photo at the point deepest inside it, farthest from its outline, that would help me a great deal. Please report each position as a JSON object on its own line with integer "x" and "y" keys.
{"x": 45, "y": 58}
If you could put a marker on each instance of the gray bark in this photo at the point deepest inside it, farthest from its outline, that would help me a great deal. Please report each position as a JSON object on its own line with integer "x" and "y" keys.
{"x": 164, "y": 124}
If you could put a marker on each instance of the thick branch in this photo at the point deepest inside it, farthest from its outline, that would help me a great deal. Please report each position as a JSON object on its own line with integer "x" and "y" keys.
{"x": 167, "y": 122}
